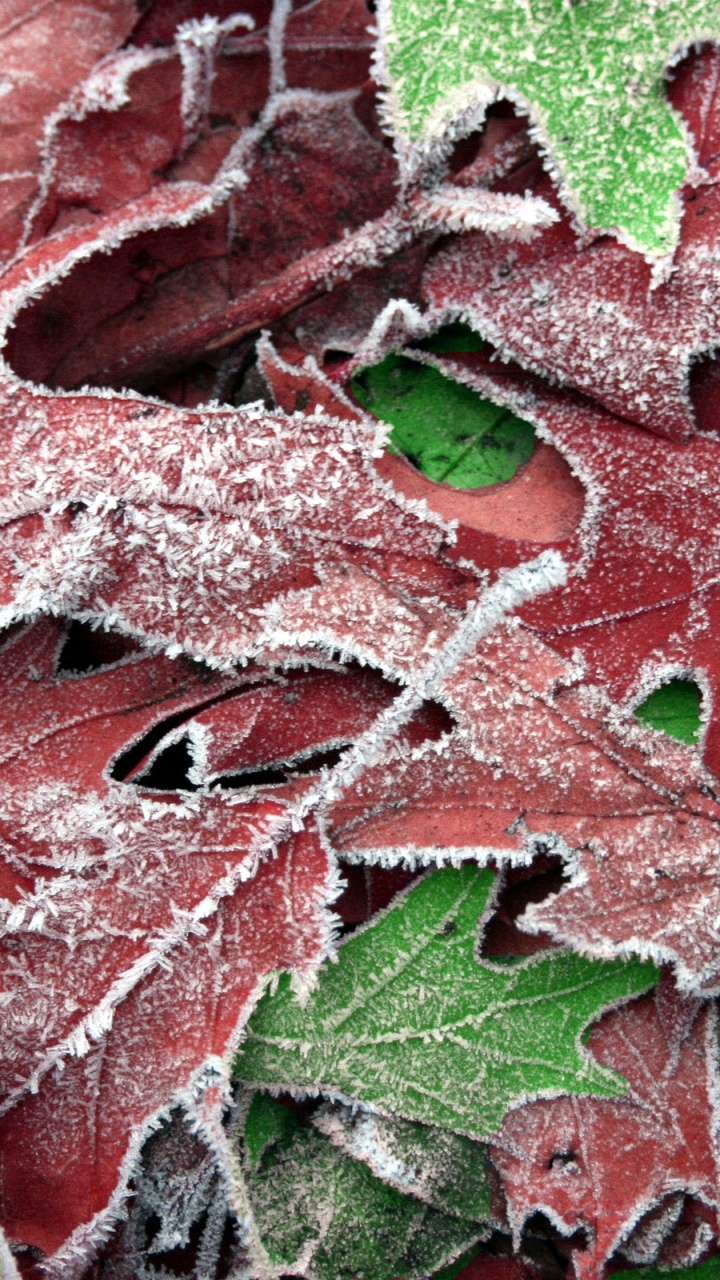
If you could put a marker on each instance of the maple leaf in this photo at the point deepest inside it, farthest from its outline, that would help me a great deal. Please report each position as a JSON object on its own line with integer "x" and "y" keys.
{"x": 599, "y": 1164}
{"x": 408, "y": 1001}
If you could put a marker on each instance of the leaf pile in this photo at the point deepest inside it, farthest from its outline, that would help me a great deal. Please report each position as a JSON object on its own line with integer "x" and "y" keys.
{"x": 359, "y": 683}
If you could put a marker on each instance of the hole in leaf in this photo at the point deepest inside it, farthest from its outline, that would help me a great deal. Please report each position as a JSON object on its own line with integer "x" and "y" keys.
{"x": 503, "y": 941}
{"x": 562, "y": 1159}
{"x": 170, "y": 769}
{"x": 548, "y": 1248}
{"x": 88, "y": 649}
{"x": 704, "y": 390}
{"x": 675, "y": 709}
{"x": 368, "y": 890}
{"x": 334, "y": 355}
{"x": 152, "y": 1225}
{"x": 446, "y": 430}
{"x": 284, "y": 771}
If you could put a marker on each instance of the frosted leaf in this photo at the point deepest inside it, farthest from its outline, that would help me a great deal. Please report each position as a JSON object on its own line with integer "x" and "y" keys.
{"x": 440, "y": 1168}
{"x": 534, "y": 758}
{"x": 509, "y": 217}
{"x": 80, "y": 34}
{"x": 320, "y": 1214}
{"x": 604, "y": 1164}
{"x": 408, "y": 1002}
{"x": 137, "y": 926}
{"x": 613, "y": 143}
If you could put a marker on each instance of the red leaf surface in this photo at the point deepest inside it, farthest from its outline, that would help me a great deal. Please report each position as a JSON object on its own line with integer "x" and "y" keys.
{"x": 221, "y": 513}
{"x": 306, "y": 164}
{"x": 594, "y": 316}
{"x": 79, "y": 33}
{"x": 178, "y": 180}
{"x": 599, "y": 1166}
{"x": 540, "y": 760}
{"x": 139, "y": 923}
{"x": 645, "y": 504}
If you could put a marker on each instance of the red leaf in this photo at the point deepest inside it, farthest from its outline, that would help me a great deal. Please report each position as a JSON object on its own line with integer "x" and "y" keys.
{"x": 540, "y": 760}
{"x": 599, "y": 1165}
{"x": 644, "y": 504}
{"x": 140, "y": 923}
{"x": 132, "y": 313}
{"x": 593, "y": 316}
{"x": 238, "y": 504}
{"x": 79, "y": 33}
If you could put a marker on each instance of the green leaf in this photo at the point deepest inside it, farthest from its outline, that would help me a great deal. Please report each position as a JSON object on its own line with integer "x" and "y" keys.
{"x": 674, "y": 708}
{"x": 325, "y": 1216}
{"x": 443, "y": 1169}
{"x": 409, "y": 1021}
{"x": 591, "y": 74}
{"x": 443, "y": 428}
{"x": 709, "y": 1270}
{"x": 266, "y": 1126}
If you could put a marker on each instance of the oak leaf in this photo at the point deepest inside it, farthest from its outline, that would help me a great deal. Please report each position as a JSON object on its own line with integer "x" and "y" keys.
{"x": 142, "y": 915}
{"x": 597, "y": 1164}
{"x": 592, "y": 314}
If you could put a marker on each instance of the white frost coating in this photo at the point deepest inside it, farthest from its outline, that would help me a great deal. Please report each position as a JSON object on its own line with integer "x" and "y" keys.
{"x": 512, "y": 588}
{"x": 398, "y": 323}
{"x": 281, "y": 11}
{"x": 199, "y": 41}
{"x": 175, "y": 205}
{"x": 204, "y": 1119}
{"x": 8, "y": 1268}
{"x": 359, "y": 1138}
{"x": 460, "y": 209}
{"x": 417, "y": 158}
{"x": 96, "y": 1023}
{"x": 413, "y": 856}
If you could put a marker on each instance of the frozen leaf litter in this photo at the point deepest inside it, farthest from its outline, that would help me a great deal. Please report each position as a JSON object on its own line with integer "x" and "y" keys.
{"x": 358, "y": 567}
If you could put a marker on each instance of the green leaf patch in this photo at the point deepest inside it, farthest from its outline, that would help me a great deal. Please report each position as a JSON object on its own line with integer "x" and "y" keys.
{"x": 591, "y": 74}
{"x": 411, "y": 1022}
{"x": 674, "y": 708}
{"x": 446, "y": 430}
{"x": 325, "y": 1216}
